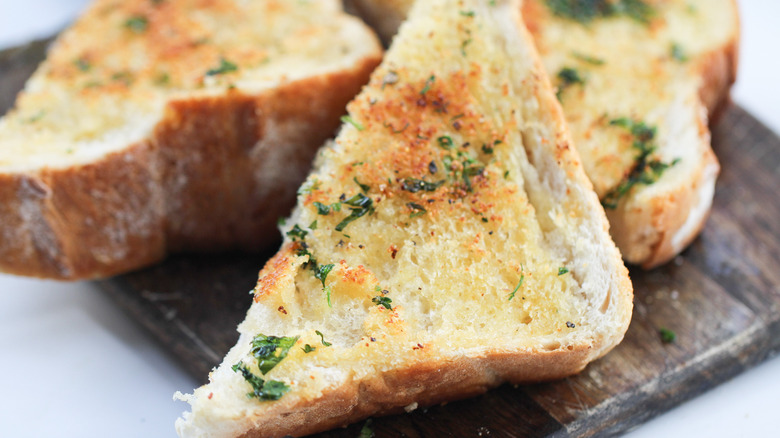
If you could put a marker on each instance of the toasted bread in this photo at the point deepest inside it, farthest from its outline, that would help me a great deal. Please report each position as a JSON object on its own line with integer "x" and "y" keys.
{"x": 155, "y": 127}
{"x": 663, "y": 66}
{"x": 446, "y": 242}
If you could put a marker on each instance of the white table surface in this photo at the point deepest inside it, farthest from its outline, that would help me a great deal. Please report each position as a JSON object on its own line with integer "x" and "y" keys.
{"x": 74, "y": 365}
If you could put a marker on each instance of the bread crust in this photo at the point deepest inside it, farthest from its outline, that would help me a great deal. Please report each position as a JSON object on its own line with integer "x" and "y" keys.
{"x": 425, "y": 383}
{"x": 204, "y": 181}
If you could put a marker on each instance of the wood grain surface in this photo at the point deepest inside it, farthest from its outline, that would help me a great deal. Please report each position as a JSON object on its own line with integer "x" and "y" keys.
{"x": 721, "y": 297}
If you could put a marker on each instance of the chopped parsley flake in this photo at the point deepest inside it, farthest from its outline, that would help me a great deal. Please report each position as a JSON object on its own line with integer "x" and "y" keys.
{"x": 463, "y": 45}
{"x": 414, "y": 185}
{"x": 308, "y": 348}
{"x": 321, "y": 273}
{"x": 351, "y": 121}
{"x": 365, "y": 188}
{"x": 467, "y": 13}
{"x": 308, "y": 186}
{"x": 82, "y": 64}
{"x": 563, "y": 270}
{"x": 667, "y": 336}
{"x": 225, "y": 66}
{"x": 519, "y": 283}
{"x": 445, "y": 142}
{"x": 261, "y": 389}
{"x": 360, "y": 204}
{"x": 137, "y": 24}
{"x": 383, "y": 301}
{"x": 646, "y": 170}
{"x": 589, "y": 59}
{"x": 297, "y": 233}
{"x": 270, "y": 350}
{"x": 322, "y": 338}
{"x": 428, "y": 84}
{"x": 367, "y": 430}
{"x": 678, "y": 53}
{"x": 417, "y": 209}
{"x": 568, "y": 77}
{"x": 469, "y": 172}
{"x": 322, "y": 209}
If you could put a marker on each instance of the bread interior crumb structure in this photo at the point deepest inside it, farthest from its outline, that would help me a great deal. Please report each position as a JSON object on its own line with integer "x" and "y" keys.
{"x": 447, "y": 241}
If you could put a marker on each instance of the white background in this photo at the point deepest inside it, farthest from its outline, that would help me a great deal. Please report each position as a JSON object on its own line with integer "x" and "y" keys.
{"x": 73, "y": 365}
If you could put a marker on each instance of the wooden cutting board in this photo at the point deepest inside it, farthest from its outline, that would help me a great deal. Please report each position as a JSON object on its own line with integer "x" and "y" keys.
{"x": 721, "y": 297}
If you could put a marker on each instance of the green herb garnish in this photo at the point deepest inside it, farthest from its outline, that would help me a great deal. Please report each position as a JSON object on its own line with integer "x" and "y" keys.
{"x": 367, "y": 431}
{"x": 360, "y": 204}
{"x": 351, "y": 121}
{"x": 313, "y": 225}
{"x": 308, "y": 348}
{"x": 445, "y": 142}
{"x": 382, "y": 301}
{"x": 519, "y": 283}
{"x": 589, "y": 59}
{"x": 322, "y": 209}
{"x": 270, "y": 350}
{"x": 678, "y": 53}
{"x": 563, "y": 270}
{"x": 365, "y": 188}
{"x": 82, "y": 64}
{"x": 469, "y": 172}
{"x": 568, "y": 77}
{"x": 646, "y": 170}
{"x": 463, "y": 45}
{"x": 308, "y": 186}
{"x": 428, "y": 84}
{"x": 667, "y": 336}
{"x": 321, "y": 273}
{"x": 467, "y": 13}
{"x": 297, "y": 233}
{"x": 261, "y": 390}
{"x": 414, "y": 185}
{"x": 417, "y": 209}
{"x": 137, "y": 24}
{"x": 322, "y": 338}
{"x": 225, "y": 66}
{"x": 162, "y": 79}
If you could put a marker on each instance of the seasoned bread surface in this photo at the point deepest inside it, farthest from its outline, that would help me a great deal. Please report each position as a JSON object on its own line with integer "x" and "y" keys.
{"x": 447, "y": 241}
{"x": 662, "y": 66}
{"x": 164, "y": 126}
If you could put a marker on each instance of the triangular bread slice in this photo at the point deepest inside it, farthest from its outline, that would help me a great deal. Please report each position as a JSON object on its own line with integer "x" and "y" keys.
{"x": 446, "y": 242}
{"x": 159, "y": 126}
{"x": 653, "y": 68}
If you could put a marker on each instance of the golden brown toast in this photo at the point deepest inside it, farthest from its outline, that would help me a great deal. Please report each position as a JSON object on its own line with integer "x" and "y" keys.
{"x": 446, "y": 242}
{"x": 637, "y": 81}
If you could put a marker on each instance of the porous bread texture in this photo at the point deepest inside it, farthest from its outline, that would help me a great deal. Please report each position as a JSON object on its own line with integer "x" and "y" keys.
{"x": 672, "y": 72}
{"x": 165, "y": 126}
{"x": 482, "y": 230}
